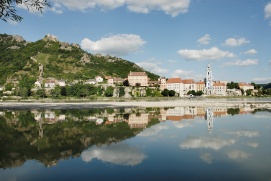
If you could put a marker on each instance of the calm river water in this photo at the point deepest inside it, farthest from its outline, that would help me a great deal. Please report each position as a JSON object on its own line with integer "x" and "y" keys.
{"x": 174, "y": 143}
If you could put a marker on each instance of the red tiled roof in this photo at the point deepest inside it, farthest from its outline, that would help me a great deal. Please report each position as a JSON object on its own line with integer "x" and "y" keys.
{"x": 174, "y": 80}
{"x": 200, "y": 83}
{"x": 188, "y": 81}
{"x": 219, "y": 84}
{"x": 244, "y": 84}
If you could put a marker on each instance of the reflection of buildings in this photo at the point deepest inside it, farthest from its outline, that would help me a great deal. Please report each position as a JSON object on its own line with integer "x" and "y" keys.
{"x": 135, "y": 117}
{"x": 209, "y": 116}
{"x": 138, "y": 120}
{"x": 180, "y": 113}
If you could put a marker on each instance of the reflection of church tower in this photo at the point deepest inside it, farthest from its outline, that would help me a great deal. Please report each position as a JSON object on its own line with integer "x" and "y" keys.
{"x": 209, "y": 81}
{"x": 209, "y": 118}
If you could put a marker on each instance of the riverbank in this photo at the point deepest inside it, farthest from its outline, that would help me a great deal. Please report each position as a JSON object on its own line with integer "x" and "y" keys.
{"x": 260, "y": 103}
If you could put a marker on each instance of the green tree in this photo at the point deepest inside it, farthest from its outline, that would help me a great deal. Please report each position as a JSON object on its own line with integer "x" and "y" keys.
{"x": 199, "y": 93}
{"x": 9, "y": 12}
{"x": 99, "y": 90}
{"x": 148, "y": 92}
{"x": 121, "y": 91}
{"x": 232, "y": 85}
{"x": 126, "y": 82}
{"x": 171, "y": 93}
{"x": 55, "y": 92}
{"x": 109, "y": 91}
{"x": 41, "y": 93}
{"x": 249, "y": 92}
{"x": 25, "y": 85}
{"x": 165, "y": 92}
{"x": 24, "y": 92}
{"x": 193, "y": 92}
{"x": 63, "y": 91}
{"x": 242, "y": 91}
{"x": 137, "y": 84}
{"x": 9, "y": 86}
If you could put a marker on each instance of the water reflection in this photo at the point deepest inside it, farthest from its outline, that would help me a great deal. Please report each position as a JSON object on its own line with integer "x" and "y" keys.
{"x": 121, "y": 154}
{"x": 138, "y": 137}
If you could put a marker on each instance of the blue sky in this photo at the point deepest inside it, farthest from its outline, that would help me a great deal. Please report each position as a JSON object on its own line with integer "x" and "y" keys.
{"x": 172, "y": 38}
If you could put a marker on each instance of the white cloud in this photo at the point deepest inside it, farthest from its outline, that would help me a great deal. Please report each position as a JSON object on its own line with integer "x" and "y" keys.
{"x": 207, "y": 157}
{"x": 152, "y": 131}
{"x": 181, "y": 73}
{"x": 267, "y": 10}
{"x": 152, "y": 67}
{"x": 205, "y": 142}
{"x": 182, "y": 124}
{"x": 252, "y": 144}
{"x": 120, "y": 154}
{"x": 244, "y": 133}
{"x": 57, "y": 8}
{"x": 117, "y": 45}
{"x": 171, "y": 7}
{"x": 83, "y": 5}
{"x": 205, "y": 54}
{"x": 238, "y": 155}
{"x": 262, "y": 79}
{"x": 205, "y": 40}
{"x": 242, "y": 63}
{"x": 233, "y": 42}
{"x": 251, "y": 52}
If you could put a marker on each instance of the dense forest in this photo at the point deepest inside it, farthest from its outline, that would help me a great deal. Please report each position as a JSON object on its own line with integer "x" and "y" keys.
{"x": 19, "y": 58}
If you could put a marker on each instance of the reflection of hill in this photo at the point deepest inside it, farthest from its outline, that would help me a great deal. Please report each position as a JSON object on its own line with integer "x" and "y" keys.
{"x": 21, "y": 140}
{"x": 51, "y": 135}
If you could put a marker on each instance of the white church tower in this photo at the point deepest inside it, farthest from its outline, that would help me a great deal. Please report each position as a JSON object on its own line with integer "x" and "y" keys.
{"x": 209, "y": 81}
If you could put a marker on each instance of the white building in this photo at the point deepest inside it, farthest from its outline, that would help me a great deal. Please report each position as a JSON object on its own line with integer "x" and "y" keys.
{"x": 49, "y": 84}
{"x": 90, "y": 81}
{"x": 189, "y": 85}
{"x": 175, "y": 84}
{"x": 99, "y": 79}
{"x": 245, "y": 86}
{"x": 163, "y": 83}
{"x": 37, "y": 84}
{"x": 61, "y": 83}
{"x": 219, "y": 89}
{"x": 140, "y": 78}
{"x": 209, "y": 81}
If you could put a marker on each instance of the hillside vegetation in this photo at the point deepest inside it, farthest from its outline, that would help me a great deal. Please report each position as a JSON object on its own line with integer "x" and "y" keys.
{"x": 19, "y": 58}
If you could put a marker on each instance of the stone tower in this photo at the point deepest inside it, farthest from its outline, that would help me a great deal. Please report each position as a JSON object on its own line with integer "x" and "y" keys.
{"x": 209, "y": 81}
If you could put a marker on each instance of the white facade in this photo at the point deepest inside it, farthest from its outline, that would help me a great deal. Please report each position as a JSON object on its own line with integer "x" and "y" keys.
{"x": 189, "y": 85}
{"x": 138, "y": 78}
{"x": 219, "y": 89}
{"x": 209, "y": 81}
{"x": 49, "y": 84}
{"x": 90, "y": 81}
{"x": 99, "y": 79}
{"x": 61, "y": 83}
{"x": 175, "y": 84}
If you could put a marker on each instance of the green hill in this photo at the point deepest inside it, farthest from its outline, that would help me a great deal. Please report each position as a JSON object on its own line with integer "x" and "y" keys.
{"x": 61, "y": 60}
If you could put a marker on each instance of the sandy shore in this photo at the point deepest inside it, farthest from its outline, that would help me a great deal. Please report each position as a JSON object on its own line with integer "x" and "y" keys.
{"x": 263, "y": 104}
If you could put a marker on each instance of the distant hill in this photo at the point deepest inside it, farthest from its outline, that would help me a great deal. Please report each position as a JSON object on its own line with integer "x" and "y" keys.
{"x": 57, "y": 59}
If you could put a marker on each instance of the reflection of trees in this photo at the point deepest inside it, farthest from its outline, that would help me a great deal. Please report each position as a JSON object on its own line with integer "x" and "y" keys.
{"x": 22, "y": 140}
{"x": 233, "y": 111}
